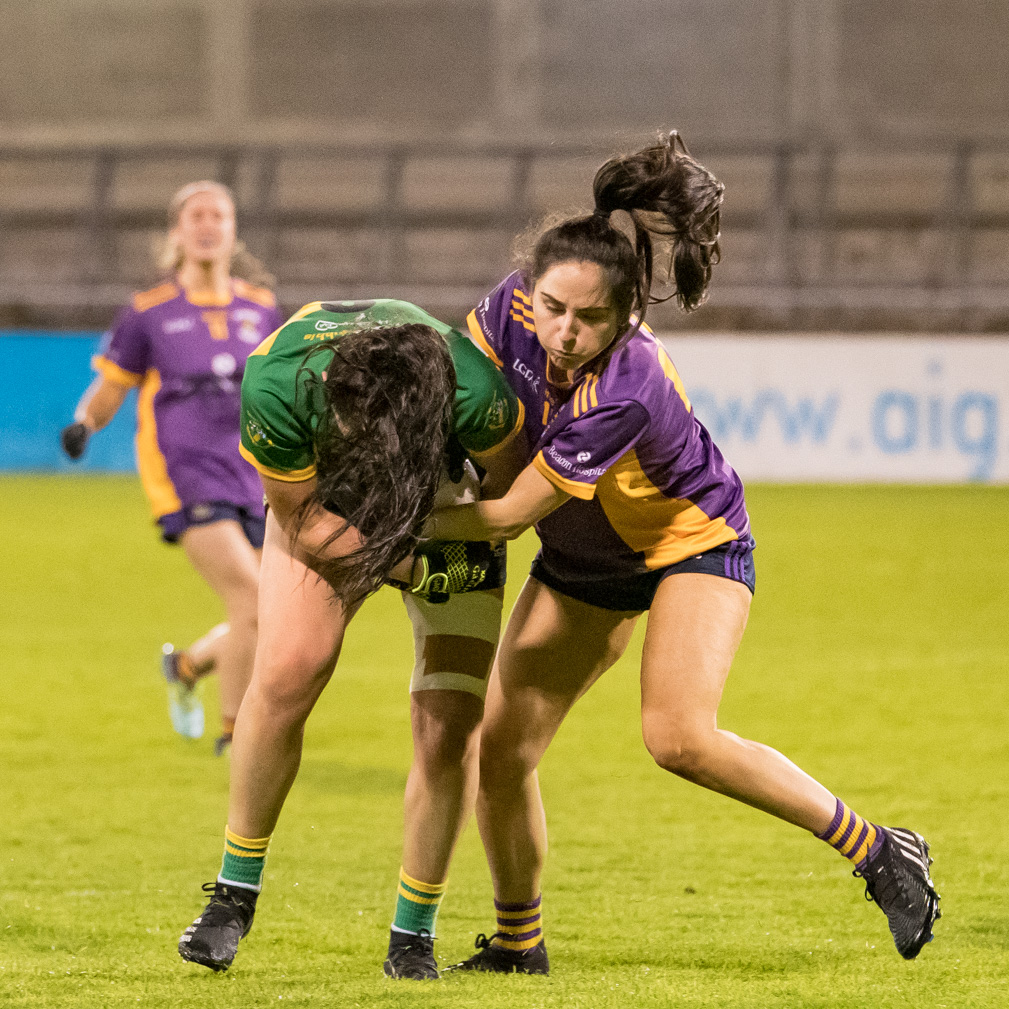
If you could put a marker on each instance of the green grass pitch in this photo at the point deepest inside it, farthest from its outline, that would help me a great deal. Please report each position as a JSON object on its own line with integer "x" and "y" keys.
{"x": 877, "y": 658}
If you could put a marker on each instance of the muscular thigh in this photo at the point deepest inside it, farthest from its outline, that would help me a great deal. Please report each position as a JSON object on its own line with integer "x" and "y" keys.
{"x": 301, "y": 623}
{"x": 554, "y": 648}
{"x": 695, "y": 626}
{"x": 222, "y": 554}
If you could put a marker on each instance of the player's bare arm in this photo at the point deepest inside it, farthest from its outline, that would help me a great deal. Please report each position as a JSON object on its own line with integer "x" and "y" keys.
{"x": 314, "y": 540}
{"x": 531, "y": 498}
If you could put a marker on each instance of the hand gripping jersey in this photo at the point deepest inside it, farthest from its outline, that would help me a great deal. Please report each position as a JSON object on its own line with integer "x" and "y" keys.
{"x": 279, "y": 414}
{"x": 649, "y": 487}
{"x": 188, "y": 354}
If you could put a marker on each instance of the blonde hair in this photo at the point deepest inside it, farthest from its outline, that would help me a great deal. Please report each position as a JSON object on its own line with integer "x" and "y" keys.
{"x": 168, "y": 256}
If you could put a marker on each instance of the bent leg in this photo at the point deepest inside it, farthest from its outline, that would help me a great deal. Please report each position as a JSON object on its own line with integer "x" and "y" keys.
{"x": 230, "y": 565}
{"x": 204, "y": 652}
{"x": 301, "y": 628}
{"x": 694, "y": 629}
{"x": 454, "y": 646}
{"x": 554, "y": 648}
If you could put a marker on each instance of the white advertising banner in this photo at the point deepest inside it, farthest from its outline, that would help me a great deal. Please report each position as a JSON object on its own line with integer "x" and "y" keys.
{"x": 839, "y": 408}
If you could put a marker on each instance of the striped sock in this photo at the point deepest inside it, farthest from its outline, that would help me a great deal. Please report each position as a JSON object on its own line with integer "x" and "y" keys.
{"x": 852, "y": 836}
{"x": 185, "y": 669}
{"x": 417, "y": 904}
{"x": 244, "y": 859}
{"x": 519, "y": 926}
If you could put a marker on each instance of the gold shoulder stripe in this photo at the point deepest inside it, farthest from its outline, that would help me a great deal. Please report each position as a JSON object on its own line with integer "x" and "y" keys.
{"x": 144, "y": 300}
{"x": 506, "y": 440}
{"x": 260, "y": 295}
{"x": 114, "y": 373}
{"x": 669, "y": 369}
{"x": 525, "y": 322}
{"x": 264, "y": 348}
{"x": 479, "y": 339}
{"x": 519, "y": 293}
{"x": 584, "y": 491}
{"x": 290, "y": 476}
{"x": 312, "y": 306}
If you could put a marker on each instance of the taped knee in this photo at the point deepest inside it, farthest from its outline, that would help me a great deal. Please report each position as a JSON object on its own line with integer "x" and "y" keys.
{"x": 454, "y": 642}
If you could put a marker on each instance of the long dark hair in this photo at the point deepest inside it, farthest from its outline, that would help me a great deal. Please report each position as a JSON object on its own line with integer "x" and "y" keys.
{"x": 670, "y": 198}
{"x": 386, "y": 397}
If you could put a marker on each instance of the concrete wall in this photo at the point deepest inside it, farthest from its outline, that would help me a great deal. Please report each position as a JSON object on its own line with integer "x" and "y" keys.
{"x": 851, "y": 71}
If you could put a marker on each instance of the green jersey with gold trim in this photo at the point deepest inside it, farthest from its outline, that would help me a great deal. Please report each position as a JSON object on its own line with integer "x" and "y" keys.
{"x": 280, "y": 410}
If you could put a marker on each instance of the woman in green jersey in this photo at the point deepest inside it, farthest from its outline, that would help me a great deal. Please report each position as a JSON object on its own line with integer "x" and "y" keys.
{"x": 357, "y": 415}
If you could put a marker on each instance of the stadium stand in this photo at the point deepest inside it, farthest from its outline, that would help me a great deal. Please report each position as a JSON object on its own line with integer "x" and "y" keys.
{"x": 813, "y": 235}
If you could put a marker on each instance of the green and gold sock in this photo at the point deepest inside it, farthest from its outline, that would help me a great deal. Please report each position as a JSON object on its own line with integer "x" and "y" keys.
{"x": 244, "y": 860}
{"x": 417, "y": 904}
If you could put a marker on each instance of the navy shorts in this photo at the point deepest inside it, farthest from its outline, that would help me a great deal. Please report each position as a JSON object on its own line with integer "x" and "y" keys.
{"x": 731, "y": 560}
{"x": 175, "y": 524}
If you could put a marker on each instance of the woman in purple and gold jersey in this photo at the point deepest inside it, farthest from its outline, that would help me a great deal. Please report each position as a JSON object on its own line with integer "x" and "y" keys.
{"x": 184, "y": 344}
{"x": 636, "y": 510}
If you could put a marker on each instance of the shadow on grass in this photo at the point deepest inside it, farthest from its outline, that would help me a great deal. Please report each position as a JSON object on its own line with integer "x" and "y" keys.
{"x": 347, "y": 779}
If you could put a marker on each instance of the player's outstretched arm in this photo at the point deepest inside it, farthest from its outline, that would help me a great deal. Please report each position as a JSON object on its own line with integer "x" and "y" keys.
{"x": 97, "y": 407}
{"x": 530, "y": 498}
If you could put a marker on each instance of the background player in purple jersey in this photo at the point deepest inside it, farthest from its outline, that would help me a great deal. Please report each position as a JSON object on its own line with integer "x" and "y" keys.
{"x": 636, "y": 510}
{"x": 184, "y": 343}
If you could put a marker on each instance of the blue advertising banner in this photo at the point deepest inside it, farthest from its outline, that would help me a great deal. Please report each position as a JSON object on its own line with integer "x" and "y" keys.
{"x": 836, "y": 409}
{"x": 858, "y": 409}
{"x": 43, "y": 376}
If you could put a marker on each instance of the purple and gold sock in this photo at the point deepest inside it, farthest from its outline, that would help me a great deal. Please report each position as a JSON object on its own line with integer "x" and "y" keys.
{"x": 519, "y": 926}
{"x": 852, "y": 836}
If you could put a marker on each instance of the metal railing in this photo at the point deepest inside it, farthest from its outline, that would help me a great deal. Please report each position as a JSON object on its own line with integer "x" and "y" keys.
{"x": 797, "y": 234}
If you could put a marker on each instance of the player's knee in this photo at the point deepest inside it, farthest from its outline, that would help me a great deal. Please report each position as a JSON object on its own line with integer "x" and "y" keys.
{"x": 503, "y": 770}
{"x": 289, "y": 686}
{"x": 681, "y": 750}
{"x": 444, "y": 746}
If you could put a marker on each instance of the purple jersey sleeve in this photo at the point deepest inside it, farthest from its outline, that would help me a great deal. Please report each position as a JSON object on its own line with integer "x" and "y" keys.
{"x": 488, "y": 322}
{"x": 581, "y": 451}
{"x": 125, "y": 350}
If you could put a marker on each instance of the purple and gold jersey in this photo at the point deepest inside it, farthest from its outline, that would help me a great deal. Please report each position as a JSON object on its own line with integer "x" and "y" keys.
{"x": 188, "y": 355}
{"x": 649, "y": 487}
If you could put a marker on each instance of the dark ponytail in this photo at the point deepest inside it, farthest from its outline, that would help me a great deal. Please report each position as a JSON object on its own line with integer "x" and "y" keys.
{"x": 386, "y": 403}
{"x": 669, "y": 197}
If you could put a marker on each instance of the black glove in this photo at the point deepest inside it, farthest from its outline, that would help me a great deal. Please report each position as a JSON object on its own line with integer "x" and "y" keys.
{"x": 74, "y": 439}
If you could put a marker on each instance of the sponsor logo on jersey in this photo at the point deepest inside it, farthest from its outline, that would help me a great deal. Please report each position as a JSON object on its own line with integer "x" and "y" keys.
{"x": 527, "y": 373}
{"x": 223, "y": 365}
{"x": 324, "y": 324}
{"x": 177, "y": 325}
{"x": 247, "y": 315}
{"x": 248, "y": 332}
{"x": 583, "y": 456}
{"x": 570, "y": 467}
{"x": 256, "y": 433}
